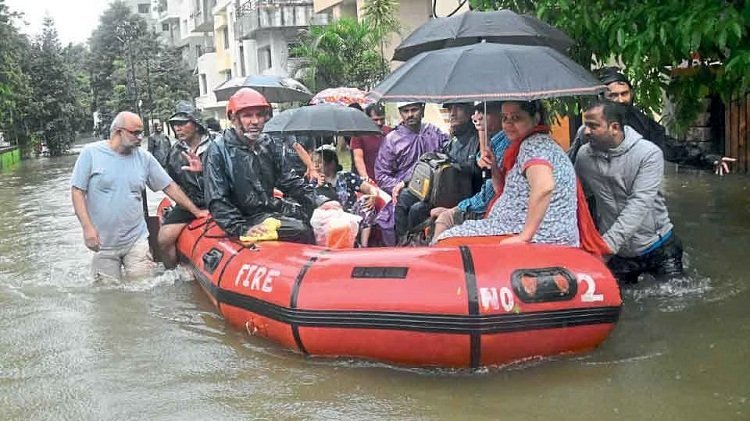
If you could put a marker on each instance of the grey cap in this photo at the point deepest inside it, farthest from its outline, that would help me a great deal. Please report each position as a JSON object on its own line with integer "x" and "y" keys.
{"x": 185, "y": 111}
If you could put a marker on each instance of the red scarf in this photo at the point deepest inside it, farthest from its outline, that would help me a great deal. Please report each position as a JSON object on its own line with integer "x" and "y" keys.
{"x": 590, "y": 239}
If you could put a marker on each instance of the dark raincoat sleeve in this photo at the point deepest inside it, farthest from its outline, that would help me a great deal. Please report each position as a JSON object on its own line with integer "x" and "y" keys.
{"x": 674, "y": 150}
{"x": 169, "y": 164}
{"x": 293, "y": 185}
{"x": 151, "y": 145}
{"x": 217, "y": 190}
{"x": 468, "y": 163}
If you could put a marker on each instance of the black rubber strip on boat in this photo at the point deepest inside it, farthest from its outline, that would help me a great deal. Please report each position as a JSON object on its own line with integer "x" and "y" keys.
{"x": 418, "y": 322}
{"x": 475, "y": 349}
{"x": 293, "y": 302}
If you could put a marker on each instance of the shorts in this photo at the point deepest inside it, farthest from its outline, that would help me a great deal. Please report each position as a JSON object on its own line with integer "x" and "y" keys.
{"x": 135, "y": 260}
{"x": 177, "y": 215}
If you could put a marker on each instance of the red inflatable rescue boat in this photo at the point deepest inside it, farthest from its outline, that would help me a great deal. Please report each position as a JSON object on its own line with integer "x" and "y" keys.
{"x": 466, "y": 306}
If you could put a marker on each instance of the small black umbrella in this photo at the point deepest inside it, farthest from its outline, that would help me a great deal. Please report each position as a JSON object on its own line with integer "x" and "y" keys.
{"x": 322, "y": 120}
{"x": 274, "y": 88}
{"x": 501, "y": 27}
{"x": 487, "y": 72}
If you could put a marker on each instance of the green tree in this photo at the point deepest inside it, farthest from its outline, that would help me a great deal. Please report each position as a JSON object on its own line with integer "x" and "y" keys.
{"x": 342, "y": 53}
{"x": 76, "y": 56}
{"x": 382, "y": 17}
{"x": 14, "y": 81}
{"x": 653, "y": 37}
{"x": 108, "y": 55}
{"x": 170, "y": 83}
{"x": 53, "y": 92}
{"x": 131, "y": 69}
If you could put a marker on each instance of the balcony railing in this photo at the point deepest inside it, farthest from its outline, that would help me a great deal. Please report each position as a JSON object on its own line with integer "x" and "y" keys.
{"x": 269, "y": 15}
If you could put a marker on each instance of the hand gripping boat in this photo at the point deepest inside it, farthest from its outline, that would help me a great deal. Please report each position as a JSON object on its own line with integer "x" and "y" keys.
{"x": 466, "y": 306}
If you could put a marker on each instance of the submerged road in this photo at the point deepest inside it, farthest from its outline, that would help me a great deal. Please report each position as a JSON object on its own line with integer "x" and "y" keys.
{"x": 156, "y": 349}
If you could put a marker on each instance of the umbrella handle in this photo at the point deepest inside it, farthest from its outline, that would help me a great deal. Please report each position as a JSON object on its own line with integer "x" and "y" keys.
{"x": 482, "y": 148}
{"x": 483, "y": 141}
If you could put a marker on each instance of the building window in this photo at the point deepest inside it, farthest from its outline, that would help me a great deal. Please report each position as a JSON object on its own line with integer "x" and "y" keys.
{"x": 144, "y": 8}
{"x": 225, "y": 37}
{"x": 165, "y": 27}
{"x": 264, "y": 59}
{"x": 198, "y": 50}
{"x": 203, "y": 84}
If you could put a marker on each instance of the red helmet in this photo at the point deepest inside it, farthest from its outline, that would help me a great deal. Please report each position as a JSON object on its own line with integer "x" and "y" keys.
{"x": 245, "y": 98}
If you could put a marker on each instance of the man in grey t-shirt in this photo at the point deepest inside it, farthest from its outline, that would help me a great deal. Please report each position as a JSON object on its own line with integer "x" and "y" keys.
{"x": 106, "y": 188}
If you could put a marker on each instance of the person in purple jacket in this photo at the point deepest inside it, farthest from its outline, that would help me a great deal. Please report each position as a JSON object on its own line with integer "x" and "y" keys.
{"x": 399, "y": 154}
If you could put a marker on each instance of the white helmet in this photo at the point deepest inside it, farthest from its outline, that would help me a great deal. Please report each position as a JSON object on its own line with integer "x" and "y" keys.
{"x": 401, "y": 105}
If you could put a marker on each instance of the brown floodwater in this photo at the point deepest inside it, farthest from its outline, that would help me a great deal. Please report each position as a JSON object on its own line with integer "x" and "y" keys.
{"x": 156, "y": 349}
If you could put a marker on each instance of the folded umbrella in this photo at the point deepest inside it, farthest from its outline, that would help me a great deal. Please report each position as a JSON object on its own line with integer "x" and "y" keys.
{"x": 274, "y": 88}
{"x": 322, "y": 120}
{"x": 501, "y": 26}
{"x": 487, "y": 72}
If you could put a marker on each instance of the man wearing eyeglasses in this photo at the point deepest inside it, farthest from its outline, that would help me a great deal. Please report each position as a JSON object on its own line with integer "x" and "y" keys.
{"x": 108, "y": 179}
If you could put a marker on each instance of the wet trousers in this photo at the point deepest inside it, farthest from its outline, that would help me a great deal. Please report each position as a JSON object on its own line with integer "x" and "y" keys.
{"x": 663, "y": 263}
{"x": 135, "y": 260}
{"x": 410, "y": 211}
{"x": 291, "y": 229}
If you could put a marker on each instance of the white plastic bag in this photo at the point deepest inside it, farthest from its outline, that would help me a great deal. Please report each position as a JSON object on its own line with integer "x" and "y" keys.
{"x": 335, "y": 228}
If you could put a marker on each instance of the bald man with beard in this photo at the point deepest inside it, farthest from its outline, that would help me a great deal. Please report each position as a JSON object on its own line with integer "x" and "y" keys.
{"x": 106, "y": 189}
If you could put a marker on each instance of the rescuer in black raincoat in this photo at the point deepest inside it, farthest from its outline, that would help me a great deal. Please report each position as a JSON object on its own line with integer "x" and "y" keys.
{"x": 184, "y": 166}
{"x": 243, "y": 166}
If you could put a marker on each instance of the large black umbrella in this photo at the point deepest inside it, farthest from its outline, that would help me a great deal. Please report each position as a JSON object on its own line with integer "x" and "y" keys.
{"x": 274, "y": 88}
{"x": 487, "y": 72}
{"x": 501, "y": 27}
{"x": 322, "y": 120}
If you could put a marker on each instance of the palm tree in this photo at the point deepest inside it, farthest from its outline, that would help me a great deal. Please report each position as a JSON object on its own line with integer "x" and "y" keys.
{"x": 342, "y": 53}
{"x": 381, "y": 16}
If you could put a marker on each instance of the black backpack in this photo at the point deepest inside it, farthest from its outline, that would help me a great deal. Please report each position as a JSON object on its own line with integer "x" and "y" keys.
{"x": 438, "y": 180}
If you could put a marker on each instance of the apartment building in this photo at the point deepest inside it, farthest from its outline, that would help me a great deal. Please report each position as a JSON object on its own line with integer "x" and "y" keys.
{"x": 251, "y": 37}
{"x": 187, "y": 25}
{"x": 143, "y": 8}
{"x": 215, "y": 67}
{"x": 168, "y": 20}
{"x": 411, "y": 13}
{"x": 268, "y": 28}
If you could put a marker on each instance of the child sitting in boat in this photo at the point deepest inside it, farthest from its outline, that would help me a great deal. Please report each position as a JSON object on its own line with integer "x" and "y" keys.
{"x": 352, "y": 194}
